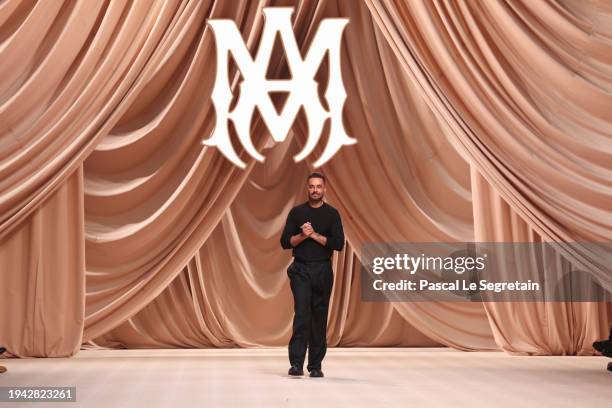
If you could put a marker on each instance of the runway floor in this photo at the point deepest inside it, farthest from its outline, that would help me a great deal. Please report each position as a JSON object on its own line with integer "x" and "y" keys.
{"x": 355, "y": 377}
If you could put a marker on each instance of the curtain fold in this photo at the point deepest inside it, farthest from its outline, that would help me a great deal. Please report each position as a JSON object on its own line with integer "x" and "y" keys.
{"x": 42, "y": 275}
{"x": 535, "y": 328}
{"x": 69, "y": 71}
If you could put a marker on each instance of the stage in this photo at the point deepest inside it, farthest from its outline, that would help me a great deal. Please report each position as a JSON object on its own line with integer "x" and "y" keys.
{"x": 364, "y": 377}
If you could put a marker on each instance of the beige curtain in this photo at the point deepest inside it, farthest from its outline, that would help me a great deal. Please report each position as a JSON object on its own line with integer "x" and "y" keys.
{"x": 540, "y": 328}
{"x": 235, "y": 291}
{"x": 42, "y": 286}
{"x": 523, "y": 90}
{"x": 119, "y": 228}
{"x": 69, "y": 71}
{"x": 462, "y": 325}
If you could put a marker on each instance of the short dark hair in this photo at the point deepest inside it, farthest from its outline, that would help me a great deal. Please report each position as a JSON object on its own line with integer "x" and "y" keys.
{"x": 316, "y": 175}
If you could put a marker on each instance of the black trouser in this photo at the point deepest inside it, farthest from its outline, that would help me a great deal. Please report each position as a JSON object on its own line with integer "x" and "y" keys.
{"x": 311, "y": 284}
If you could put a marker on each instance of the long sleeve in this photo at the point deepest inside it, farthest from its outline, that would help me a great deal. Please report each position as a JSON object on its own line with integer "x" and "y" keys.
{"x": 290, "y": 229}
{"x": 336, "y": 239}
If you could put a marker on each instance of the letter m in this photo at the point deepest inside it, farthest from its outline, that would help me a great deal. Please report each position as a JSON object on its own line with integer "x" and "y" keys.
{"x": 302, "y": 88}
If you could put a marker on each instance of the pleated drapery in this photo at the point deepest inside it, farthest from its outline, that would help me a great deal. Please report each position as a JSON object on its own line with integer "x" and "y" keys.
{"x": 475, "y": 121}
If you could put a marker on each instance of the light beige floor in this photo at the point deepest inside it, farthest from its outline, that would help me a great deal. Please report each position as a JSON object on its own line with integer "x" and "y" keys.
{"x": 373, "y": 378}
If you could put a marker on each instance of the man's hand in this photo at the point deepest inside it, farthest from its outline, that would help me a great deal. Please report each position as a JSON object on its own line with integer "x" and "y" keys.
{"x": 307, "y": 229}
{"x": 309, "y": 232}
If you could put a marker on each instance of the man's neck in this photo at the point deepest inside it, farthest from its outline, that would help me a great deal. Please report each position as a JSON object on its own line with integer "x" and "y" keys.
{"x": 315, "y": 204}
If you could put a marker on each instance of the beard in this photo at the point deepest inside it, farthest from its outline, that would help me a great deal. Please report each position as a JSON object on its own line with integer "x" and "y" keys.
{"x": 315, "y": 197}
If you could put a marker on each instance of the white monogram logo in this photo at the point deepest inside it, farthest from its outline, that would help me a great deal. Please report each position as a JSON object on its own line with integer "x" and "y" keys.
{"x": 302, "y": 88}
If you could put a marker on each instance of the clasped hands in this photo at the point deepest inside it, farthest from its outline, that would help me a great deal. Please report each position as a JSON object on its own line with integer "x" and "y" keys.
{"x": 307, "y": 229}
{"x": 308, "y": 232}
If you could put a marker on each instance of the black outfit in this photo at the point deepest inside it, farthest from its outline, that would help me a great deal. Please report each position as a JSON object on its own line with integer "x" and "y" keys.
{"x": 312, "y": 279}
{"x": 605, "y": 347}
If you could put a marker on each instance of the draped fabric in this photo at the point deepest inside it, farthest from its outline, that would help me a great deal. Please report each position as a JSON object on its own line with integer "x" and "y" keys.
{"x": 543, "y": 328}
{"x": 43, "y": 285}
{"x": 69, "y": 71}
{"x": 153, "y": 194}
{"x": 475, "y": 121}
{"x": 513, "y": 98}
{"x": 524, "y": 90}
{"x": 203, "y": 308}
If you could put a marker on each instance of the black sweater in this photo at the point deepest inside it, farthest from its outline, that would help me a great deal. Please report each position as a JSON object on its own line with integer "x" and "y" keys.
{"x": 325, "y": 220}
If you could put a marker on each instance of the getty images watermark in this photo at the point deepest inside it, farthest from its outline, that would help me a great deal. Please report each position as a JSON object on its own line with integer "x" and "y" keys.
{"x": 492, "y": 272}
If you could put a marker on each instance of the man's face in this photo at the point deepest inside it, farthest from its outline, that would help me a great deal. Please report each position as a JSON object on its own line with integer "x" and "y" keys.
{"x": 316, "y": 189}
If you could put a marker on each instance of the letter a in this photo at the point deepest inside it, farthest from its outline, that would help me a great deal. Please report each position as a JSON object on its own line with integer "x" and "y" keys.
{"x": 302, "y": 87}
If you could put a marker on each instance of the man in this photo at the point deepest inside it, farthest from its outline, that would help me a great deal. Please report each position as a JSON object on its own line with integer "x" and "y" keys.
{"x": 313, "y": 230}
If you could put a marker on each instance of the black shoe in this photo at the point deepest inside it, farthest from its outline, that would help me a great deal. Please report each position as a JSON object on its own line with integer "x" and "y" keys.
{"x": 295, "y": 371}
{"x": 316, "y": 373}
{"x": 604, "y": 347}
